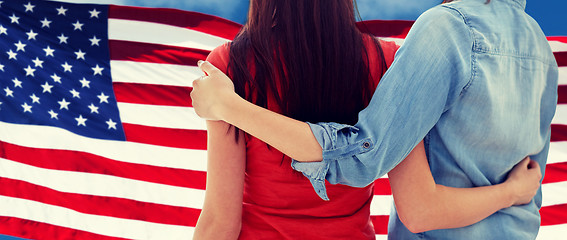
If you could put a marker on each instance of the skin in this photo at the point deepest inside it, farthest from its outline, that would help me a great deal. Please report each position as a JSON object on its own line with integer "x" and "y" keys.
{"x": 422, "y": 205}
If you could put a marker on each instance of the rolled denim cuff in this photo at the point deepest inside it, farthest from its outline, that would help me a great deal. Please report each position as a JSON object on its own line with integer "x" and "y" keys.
{"x": 315, "y": 172}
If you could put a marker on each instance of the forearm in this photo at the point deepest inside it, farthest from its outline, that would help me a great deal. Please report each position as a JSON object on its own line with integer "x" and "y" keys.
{"x": 291, "y": 137}
{"x": 445, "y": 207}
{"x": 423, "y": 205}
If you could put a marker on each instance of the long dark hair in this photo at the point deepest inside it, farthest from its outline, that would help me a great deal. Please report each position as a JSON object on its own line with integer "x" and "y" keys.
{"x": 306, "y": 54}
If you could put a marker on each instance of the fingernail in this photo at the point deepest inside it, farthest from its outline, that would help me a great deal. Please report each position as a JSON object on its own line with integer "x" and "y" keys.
{"x": 199, "y": 62}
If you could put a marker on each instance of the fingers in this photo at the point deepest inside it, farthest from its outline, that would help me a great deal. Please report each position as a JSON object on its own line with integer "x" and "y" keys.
{"x": 207, "y": 67}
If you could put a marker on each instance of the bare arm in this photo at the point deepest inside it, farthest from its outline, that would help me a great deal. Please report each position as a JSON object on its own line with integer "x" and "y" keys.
{"x": 214, "y": 99}
{"x": 423, "y": 205}
{"x": 221, "y": 216}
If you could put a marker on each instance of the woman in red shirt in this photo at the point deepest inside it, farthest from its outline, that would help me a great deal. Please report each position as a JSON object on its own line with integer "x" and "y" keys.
{"x": 293, "y": 57}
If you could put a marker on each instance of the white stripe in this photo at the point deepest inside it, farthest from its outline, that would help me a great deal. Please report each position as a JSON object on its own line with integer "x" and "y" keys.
{"x": 554, "y": 193}
{"x": 381, "y": 237}
{"x": 553, "y": 232}
{"x": 149, "y": 32}
{"x": 557, "y": 152}
{"x": 161, "y": 116}
{"x": 56, "y": 138}
{"x": 381, "y": 205}
{"x": 558, "y": 46}
{"x": 154, "y": 73}
{"x": 398, "y": 41}
{"x": 560, "y": 115}
{"x": 103, "y": 185}
{"x": 109, "y": 226}
{"x": 562, "y": 75}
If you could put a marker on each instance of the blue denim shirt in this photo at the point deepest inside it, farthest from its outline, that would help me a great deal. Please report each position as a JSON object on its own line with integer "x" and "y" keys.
{"x": 477, "y": 82}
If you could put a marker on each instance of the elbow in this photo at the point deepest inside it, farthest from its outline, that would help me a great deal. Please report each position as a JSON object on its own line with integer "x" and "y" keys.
{"x": 415, "y": 220}
{"x": 217, "y": 228}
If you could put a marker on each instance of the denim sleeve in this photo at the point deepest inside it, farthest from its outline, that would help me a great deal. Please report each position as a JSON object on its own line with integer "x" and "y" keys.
{"x": 430, "y": 71}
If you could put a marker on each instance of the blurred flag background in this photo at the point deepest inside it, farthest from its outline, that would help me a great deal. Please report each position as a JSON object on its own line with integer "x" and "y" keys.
{"x": 98, "y": 139}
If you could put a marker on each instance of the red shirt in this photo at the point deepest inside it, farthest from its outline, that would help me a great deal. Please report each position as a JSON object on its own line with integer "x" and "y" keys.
{"x": 279, "y": 203}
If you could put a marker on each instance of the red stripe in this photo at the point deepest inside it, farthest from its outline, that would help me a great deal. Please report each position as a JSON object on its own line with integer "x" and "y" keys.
{"x": 382, "y": 187}
{"x": 168, "y": 137}
{"x": 191, "y": 20}
{"x": 561, "y": 58}
{"x": 155, "y": 53}
{"x": 89, "y": 163}
{"x": 28, "y": 229}
{"x": 152, "y": 94}
{"x": 380, "y": 223}
{"x": 386, "y": 28}
{"x": 558, "y": 132}
{"x": 562, "y": 94}
{"x": 553, "y": 215}
{"x": 555, "y": 172}
{"x": 557, "y": 38}
{"x": 99, "y": 205}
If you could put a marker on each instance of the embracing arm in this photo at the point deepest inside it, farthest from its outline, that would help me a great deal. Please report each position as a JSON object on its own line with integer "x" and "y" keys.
{"x": 214, "y": 98}
{"x": 226, "y": 159}
{"x": 423, "y": 205}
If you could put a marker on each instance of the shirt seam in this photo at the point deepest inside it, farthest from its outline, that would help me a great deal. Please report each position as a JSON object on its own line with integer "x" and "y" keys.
{"x": 472, "y": 59}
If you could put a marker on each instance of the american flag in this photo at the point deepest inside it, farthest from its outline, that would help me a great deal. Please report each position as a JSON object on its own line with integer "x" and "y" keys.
{"x": 98, "y": 139}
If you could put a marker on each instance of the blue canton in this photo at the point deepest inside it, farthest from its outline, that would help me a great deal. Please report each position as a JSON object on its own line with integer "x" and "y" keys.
{"x": 55, "y": 68}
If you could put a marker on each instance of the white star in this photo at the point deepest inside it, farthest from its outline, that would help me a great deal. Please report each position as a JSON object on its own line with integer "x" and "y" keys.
{"x": 29, "y": 7}
{"x": 97, "y": 70}
{"x": 17, "y": 83}
{"x": 56, "y": 78}
{"x": 46, "y": 87}
{"x": 94, "y": 41}
{"x": 37, "y": 62}
{"x": 78, "y": 26}
{"x": 53, "y": 114}
{"x": 27, "y": 108}
{"x": 85, "y": 83}
{"x": 61, "y": 10}
{"x": 111, "y": 124}
{"x": 3, "y": 30}
{"x": 1, "y": 67}
{"x": 81, "y": 121}
{"x": 49, "y": 51}
{"x": 94, "y": 109}
{"x": 63, "y": 104}
{"x": 9, "y": 92}
{"x": 75, "y": 94}
{"x": 63, "y": 38}
{"x": 12, "y": 55}
{"x": 31, "y": 35}
{"x": 45, "y": 23}
{"x": 20, "y": 46}
{"x": 80, "y": 54}
{"x": 14, "y": 19}
{"x": 34, "y": 98}
{"x": 67, "y": 67}
{"x": 103, "y": 98}
{"x": 1, "y": 3}
{"x": 94, "y": 13}
{"x": 29, "y": 71}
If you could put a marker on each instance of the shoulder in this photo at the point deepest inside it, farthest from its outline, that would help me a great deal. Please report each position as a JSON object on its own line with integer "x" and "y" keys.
{"x": 440, "y": 21}
{"x": 219, "y": 57}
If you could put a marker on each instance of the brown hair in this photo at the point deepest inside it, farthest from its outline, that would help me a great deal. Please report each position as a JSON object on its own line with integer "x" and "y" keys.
{"x": 306, "y": 54}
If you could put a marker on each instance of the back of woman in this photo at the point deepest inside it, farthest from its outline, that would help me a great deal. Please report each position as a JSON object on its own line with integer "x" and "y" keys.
{"x": 305, "y": 59}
